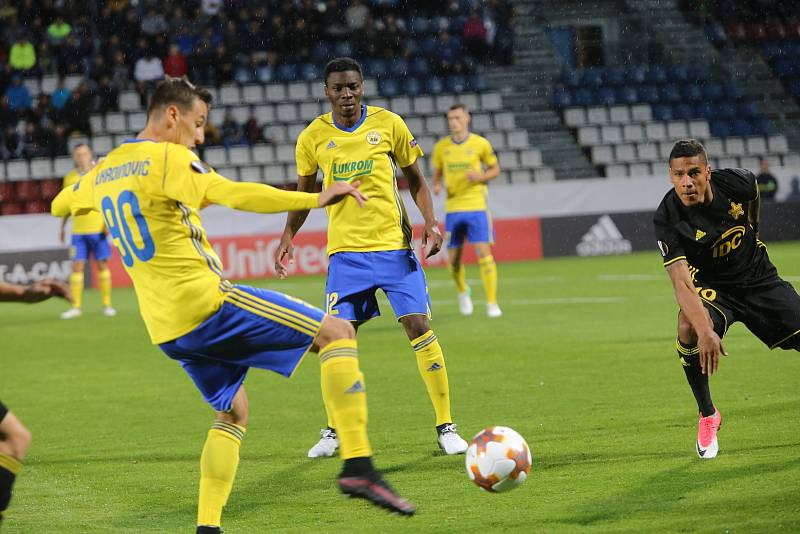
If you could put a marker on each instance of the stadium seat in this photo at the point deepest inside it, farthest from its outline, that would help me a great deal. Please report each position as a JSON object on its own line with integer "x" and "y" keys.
{"x": 705, "y": 110}
{"x": 627, "y": 95}
{"x": 284, "y": 153}
{"x": 288, "y": 72}
{"x": 518, "y": 139}
{"x": 116, "y": 123}
{"x": 633, "y": 133}
{"x": 605, "y": 96}
{"x": 17, "y": 170}
{"x": 442, "y": 103}
{"x": 215, "y": 156}
{"x": 575, "y": 117}
{"x": 416, "y": 125}
{"x": 648, "y": 94}
{"x": 491, "y": 102}
{"x": 62, "y": 165}
{"x": 497, "y": 140}
{"x": 648, "y": 152}
{"x": 41, "y": 168}
{"x": 756, "y": 146}
{"x": 597, "y": 115}
{"x": 726, "y": 110}
{"x": 691, "y": 93}
{"x": 26, "y": 190}
{"x": 641, "y": 113}
{"x": 250, "y": 173}
{"x": 239, "y": 155}
{"x": 424, "y": 105}
{"x": 698, "y": 129}
{"x": 389, "y": 87}
{"x": 482, "y": 122}
{"x": 655, "y": 131}
{"x": 6, "y": 192}
{"x": 562, "y": 98}
{"x": 275, "y": 92}
{"x": 656, "y": 75}
{"x": 299, "y": 91}
{"x": 615, "y": 75}
{"x": 477, "y": 82}
{"x": 96, "y": 122}
{"x": 286, "y": 112}
{"x": 742, "y": 128}
{"x": 531, "y": 158}
{"x": 275, "y": 174}
{"x": 662, "y": 112}
{"x": 682, "y": 111}
{"x": 611, "y": 134}
{"x": 677, "y": 130}
{"x": 582, "y": 97}
{"x": 571, "y": 78}
{"x": 639, "y": 170}
{"x": 669, "y": 93}
{"x": 470, "y": 100}
{"x": 137, "y": 121}
{"x": 36, "y": 206}
{"x": 589, "y": 135}
{"x": 720, "y": 128}
{"x": 509, "y": 159}
{"x": 636, "y": 74}
{"x": 521, "y": 176}
{"x": 436, "y": 124}
{"x": 504, "y": 121}
{"x": 777, "y": 144}
{"x": 412, "y": 87}
{"x": 544, "y": 174}
{"x": 309, "y": 110}
{"x": 592, "y": 77}
{"x": 616, "y": 170}
{"x": 50, "y": 188}
{"x": 625, "y": 153}
{"x": 602, "y": 154}
{"x": 309, "y": 72}
{"x": 50, "y": 83}
{"x": 712, "y": 92}
{"x": 433, "y": 85}
{"x": 715, "y": 147}
{"x": 229, "y": 95}
{"x": 11, "y": 208}
{"x": 619, "y": 114}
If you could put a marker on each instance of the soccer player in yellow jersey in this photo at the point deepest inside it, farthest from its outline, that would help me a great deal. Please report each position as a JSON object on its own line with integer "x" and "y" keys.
{"x": 370, "y": 248}
{"x": 150, "y": 190}
{"x": 467, "y": 162}
{"x": 14, "y": 437}
{"x": 88, "y": 238}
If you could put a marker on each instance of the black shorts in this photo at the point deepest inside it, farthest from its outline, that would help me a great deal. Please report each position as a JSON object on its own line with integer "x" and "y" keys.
{"x": 3, "y": 411}
{"x": 770, "y": 311}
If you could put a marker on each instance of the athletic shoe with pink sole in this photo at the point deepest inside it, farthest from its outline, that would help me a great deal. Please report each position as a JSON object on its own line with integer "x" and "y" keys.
{"x": 707, "y": 445}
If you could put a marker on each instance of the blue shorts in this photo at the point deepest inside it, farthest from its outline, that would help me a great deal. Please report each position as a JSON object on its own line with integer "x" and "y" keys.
{"x": 96, "y": 244}
{"x": 253, "y": 328}
{"x": 476, "y": 226}
{"x": 354, "y": 277}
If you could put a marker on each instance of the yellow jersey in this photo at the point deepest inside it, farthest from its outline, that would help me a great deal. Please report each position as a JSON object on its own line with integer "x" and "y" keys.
{"x": 149, "y": 195}
{"x": 92, "y": 222}
{"x": 454, "y": 160}
{"x": 369, "y": 151}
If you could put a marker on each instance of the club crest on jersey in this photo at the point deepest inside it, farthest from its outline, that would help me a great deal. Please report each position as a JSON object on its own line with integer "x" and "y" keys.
{"x": 200, "y": 166}
{"x": 373, "y": 137}
{"x": 664, "y": 248}
{"x": 736, "y": 210}
{"x": 698, "y": 235}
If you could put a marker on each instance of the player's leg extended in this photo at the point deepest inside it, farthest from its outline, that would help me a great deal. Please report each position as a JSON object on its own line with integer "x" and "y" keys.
{"x": 459, "y": 274}
{"x": 430, "y": 362}
{"x": 710, "y": 419}
{"x": 343, "y": 389}
{"x": 76, "y": 280}
{"x": 104, "y": 281}
{"x": 219, "y": 462}
{"x": 488, "y": 277}
{"x": 14, "y": 442}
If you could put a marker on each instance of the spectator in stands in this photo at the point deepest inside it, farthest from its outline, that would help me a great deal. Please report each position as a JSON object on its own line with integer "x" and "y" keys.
{"x": 147, "y": 72}
{"x": 222, "y": 66}
{"x": 70, "y": 56}
{"x": 19, "y": 97}
{"x": 154, "y": 23}
{"x": 22, "y": 57}
{"x": 98, "y": 68}
{"x": 12, "y": 144}
{"x": 767, "y": 183}
{"x": 30, "y": 141}
{"x": 231, "y": 130}
{"x": 356, "y": 15}
{"x": 106, "y": 96}
{"x": 392, "y": 37}
{"x": 213, "y": 137}
{"x": 794, "y": 190}
{"x": 210, "y": 8}
{"x": 175, "y": 64}
{"x": 120, "y": 73}
{"x": 42, "y": 114}
{"x": 252, "y": 130}
{"x": 8, "y": 117}
{"x": 47, "y": 59}
{"x": 448, "y": 55}
{"x": 474, "y": 35}
{"x": 77, "y": 111}
{"x": 61, "y": 95}
{"x": 502, "y": 14}
{"x": 57, "y": 142}
{"x": 58, "y": 30}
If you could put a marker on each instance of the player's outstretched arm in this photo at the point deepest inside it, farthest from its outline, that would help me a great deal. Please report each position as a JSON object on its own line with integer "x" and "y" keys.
{"x": 692, "y": 307}
{"x": 262, "y": 198}
{"x": 294, "y": 221}
{"x": 37, "y": 292}
{"x": 422, "y": 198}
{"x": 488, "y": 175}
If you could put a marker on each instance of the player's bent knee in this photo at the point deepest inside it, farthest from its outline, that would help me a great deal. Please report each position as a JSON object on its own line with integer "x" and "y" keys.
{"x": 415, "y": 325}
{"x": 17, "y": 437}
{"x": 686, "y": 332}
{"x": 239, "y": 412}
{"x": 332, "y": 329}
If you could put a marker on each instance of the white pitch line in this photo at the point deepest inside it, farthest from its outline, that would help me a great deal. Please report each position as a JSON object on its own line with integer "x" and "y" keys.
{"x": 535, "y": 302}
{"x": 631, "y": 277}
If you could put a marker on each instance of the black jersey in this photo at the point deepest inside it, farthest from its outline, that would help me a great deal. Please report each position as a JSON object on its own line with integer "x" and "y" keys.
{"x": 716, "y": 240}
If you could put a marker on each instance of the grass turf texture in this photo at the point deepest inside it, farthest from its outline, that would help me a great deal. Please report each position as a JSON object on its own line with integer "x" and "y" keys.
{"x": 582, "y": 364}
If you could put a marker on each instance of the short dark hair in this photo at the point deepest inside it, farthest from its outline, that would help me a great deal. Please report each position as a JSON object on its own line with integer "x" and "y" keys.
{"x": 342, "y": 64}
{"x": 82, "y": 143}
{"x": 459, "y": 105}
{"x": 688, "y": 148}
{"x": 178, "y": 91}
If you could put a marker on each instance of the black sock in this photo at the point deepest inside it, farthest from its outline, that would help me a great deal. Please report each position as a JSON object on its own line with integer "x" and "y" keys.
{"x": 357, "y": 467}
{"x": 6, "y": 481}
{"x": 690, "y": 361}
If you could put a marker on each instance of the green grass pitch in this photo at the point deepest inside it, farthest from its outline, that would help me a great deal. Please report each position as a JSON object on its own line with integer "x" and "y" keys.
{"x": 582, "y": 364}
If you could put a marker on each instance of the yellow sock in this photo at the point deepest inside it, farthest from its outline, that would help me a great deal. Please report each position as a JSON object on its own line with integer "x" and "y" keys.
{"x": 345, "y": 396}
{"x": 218, "y": 465}
{"x": 489, "y": 277}
{"x": 459, "y": 277}
{"x": 76, "y": 286}
{"x": 329, "y": 413}
{"x": 430, "y": 361}
{"x": 104, "y": 281}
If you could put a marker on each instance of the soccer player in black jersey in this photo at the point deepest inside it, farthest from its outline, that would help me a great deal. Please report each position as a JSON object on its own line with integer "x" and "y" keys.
{"x": 707, "y": 231}
{"x": 14, "y": 437}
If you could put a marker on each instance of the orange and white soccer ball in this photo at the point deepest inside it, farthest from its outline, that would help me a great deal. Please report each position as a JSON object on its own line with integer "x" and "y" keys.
{"x": 498, "y": 459}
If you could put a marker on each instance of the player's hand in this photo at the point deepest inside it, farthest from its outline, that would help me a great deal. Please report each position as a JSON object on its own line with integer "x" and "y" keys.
{"x": 284, "y": 256}
{"x": 434, "y": 236}
{"x": 45, "y": 289}
{"x": 437, "y": 188}
{"x": 61, "y": 236}
{"x": 338, "y": 191}
{"x": 474, "y": 176}
{"x": 710, "y": 349}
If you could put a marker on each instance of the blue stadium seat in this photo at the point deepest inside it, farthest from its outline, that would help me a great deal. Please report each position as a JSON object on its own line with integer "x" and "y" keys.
{"x": 561, "y": 98}
{"x": 683, "y": 111}
{"x": 477, "y": 83}
{"x": 434, "y": 85}
{"x": 627, "y": 95}
{"x": 712, "y": 91}
{"x": 582, "y": 97}
{"x": 420, "y": 25}
{"x": 678, "y": 73}
{"x": 388, "y": 87}
{"x": 615, "y": 76}
{"x": 377, "y": 68}
{"x": 763, "y": 126}
{"x": 720, "y": 128}
{"x": 649, "y": 94}
{"x": 420, "y": 67}
{"x": 605, "y": 96}
{"x": 669, "y": 93}
{"x": 592, "y": 77}
{"x": 742, "y": 128}
{"x": 691, "y": 92}
{"x": 662, "y": 112}
{"x": 320, "y": 51}
{"x": 773, "y": 50}
{"x": 412, "y": 86}
{"x": 748, "y": 109}
{"x": 309, "y": 72}
{"x": 399, "y": 66}
{"x": 732, "y": 91}
{"x": 637, "y": 74}
{"x": 343, "y": 49}
{"x": 429, "y": 45}
{"x": 698, "y": 73}
{"x": 656, "y": 75}
{"x": 785, "y": 67}
{"x": 456, "y": 84}
{"x": 794, "y": 87}
{"x": 287, "y": 73}
{"x": 571, "y": 78}
{"x": 726, "y": 110}
{"x": 704, "y": 110}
